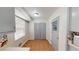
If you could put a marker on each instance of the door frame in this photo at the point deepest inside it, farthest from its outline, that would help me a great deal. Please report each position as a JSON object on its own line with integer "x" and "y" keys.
{"x": 55, "y": 19}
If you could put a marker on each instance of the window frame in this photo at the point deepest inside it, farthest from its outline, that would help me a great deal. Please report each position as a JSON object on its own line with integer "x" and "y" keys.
{"x": 19, "y": 36}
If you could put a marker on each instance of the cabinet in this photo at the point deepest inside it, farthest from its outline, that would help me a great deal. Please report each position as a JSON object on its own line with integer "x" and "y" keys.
{"x": 74, "y": 19}
{"x": 7, "y": 19}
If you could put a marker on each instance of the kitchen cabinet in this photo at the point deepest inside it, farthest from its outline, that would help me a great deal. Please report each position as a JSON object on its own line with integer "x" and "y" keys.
{"x": 7, "y": 19}
{"x": 74, "y": 19}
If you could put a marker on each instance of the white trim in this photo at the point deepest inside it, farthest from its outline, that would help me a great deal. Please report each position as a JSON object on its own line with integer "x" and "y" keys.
{"x": 50, "y": 41}
{"x": 23, "y": 43}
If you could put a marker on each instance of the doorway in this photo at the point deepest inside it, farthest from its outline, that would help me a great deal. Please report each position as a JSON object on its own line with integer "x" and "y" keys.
{"x": 55, "y": 32}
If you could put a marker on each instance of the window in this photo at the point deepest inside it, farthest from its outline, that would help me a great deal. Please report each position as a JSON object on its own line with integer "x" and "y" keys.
{"x": 20, "y": 28}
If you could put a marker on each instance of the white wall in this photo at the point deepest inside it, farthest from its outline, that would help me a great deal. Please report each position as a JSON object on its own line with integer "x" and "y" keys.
{"x": 31, "y": 26}
{"x": 62, "y": 13}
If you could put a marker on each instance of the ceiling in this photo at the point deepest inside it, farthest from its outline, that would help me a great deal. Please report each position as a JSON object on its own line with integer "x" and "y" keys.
{"x": 44, "y": 12}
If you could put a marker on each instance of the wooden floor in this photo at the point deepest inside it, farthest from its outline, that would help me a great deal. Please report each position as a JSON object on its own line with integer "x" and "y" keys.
{"x": 39, "y": 45}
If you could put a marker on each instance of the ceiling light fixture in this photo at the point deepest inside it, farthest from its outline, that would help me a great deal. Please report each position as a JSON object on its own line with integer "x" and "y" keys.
{"x": 36, "y": 14}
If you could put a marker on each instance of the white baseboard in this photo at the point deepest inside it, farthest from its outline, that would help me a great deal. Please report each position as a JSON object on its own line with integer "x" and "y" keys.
{"x": 23, "y": 43}
{"x": 50, "y": 41}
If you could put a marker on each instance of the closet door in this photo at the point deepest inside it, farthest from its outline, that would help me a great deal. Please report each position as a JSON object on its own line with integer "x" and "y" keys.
{"x": 43, "y": 30}
{"x": 37, "y": 31}
{"x": 40, "y": 30}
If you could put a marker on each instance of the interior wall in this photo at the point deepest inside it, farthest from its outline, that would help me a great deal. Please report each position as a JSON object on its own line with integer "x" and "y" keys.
{"x": 62, "y": 13}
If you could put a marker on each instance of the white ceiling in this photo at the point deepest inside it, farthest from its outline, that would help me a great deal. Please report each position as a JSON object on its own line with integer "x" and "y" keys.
{"x": 45, "y": 12}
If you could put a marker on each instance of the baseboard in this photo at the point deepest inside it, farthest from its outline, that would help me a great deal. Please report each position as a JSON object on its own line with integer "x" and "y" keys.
{"x": 49, "y": 41}
{"x": 23, "y": 43}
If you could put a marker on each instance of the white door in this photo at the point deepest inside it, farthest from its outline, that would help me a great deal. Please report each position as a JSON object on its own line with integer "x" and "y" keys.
{"x": 55, "y": 32}
{"x": 40, "y": 30}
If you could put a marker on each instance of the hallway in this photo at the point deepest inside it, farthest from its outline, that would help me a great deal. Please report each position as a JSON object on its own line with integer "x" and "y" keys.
{"x": 39, "y": 45}
{"x": 41, "y": 23}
